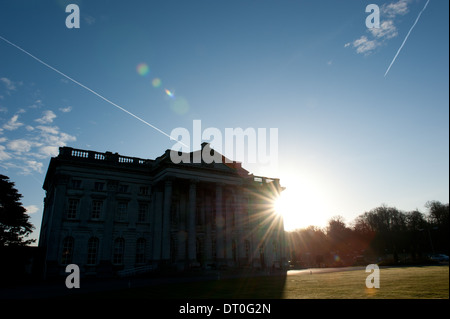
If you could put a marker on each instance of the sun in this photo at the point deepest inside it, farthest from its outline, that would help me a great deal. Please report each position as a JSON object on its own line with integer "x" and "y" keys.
{"x": 301, "y": 206}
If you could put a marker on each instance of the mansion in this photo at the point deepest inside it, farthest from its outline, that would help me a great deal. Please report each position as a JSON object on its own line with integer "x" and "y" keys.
{"x": 110, "y": 213}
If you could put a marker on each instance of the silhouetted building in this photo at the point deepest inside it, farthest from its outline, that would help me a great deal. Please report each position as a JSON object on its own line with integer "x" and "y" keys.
{"x": 109, "y": 213}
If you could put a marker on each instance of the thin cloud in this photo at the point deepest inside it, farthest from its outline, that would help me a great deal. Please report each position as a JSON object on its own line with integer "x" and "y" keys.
{"x": 31, "y": 209}
{"x": 35, "y": 166}
{"x": 37, "y": 104}
{"x": 394, "y": 9}
{"x": 65, "y": 109}
{"x": 48, "y": 129}
{"x": 20, "y": 145}
{"x": 90, "y": 20}
{"x": 49, "y": 151}
{"x": 4, "y": 155}
{"x": 10, "y": 85}
{"x": 387, "y": 30}
{"x": 364, "y": 45}
{"x": 13, "y": 123}
{"x": 47, "y": 117}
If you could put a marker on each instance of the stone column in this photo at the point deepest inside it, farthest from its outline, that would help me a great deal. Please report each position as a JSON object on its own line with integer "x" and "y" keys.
{"x": 220, "y": 223}
{"x": 182, "y": 230}
{"x": 106, "y": 249}
{"x": 229, "y": 209}
{"x": 240, "y": 220}
{"x": 191, "y": 221}
{"x": 166, "y": 220}
{"x": 208, "y": 221}
{"x": 156, "y": 224}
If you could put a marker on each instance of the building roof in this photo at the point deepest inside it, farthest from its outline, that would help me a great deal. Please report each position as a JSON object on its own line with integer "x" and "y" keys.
{"x": 163, "y": 163}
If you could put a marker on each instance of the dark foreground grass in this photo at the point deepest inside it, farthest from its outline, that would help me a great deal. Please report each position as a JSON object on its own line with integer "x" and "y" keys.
{"x": 431, "y": 282}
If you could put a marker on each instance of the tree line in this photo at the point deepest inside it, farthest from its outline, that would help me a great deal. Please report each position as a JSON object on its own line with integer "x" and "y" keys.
{"x": 383, "y": 233}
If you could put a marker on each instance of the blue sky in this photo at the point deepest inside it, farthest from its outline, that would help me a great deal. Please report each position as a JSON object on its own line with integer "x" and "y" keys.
{"x": 349, "y": 139}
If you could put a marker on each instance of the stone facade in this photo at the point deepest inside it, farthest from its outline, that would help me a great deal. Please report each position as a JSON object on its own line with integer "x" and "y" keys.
{"x": 109, "y": 213}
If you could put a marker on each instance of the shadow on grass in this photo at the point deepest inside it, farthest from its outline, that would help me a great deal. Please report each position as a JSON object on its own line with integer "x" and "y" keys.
{"x": 264, "y": 287}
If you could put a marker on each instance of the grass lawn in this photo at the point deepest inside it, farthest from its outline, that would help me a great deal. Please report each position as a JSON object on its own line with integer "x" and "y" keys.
{"x": 431, "y": 282}
{"x": 395, "y": 283}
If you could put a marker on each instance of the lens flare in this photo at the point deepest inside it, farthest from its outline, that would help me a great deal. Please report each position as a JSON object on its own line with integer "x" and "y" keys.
{"x": 169, "y": 93}
{"x": 142, "y": 69}
{"x": 180, "y": 106}
{"x": 156, "y": 82}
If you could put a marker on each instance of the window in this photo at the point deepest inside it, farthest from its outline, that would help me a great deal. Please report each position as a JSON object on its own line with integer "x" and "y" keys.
{"x": 123, "y": 188}
{"x": 234, "y": 250}
{"x": 72, "y": 210}
{"x": 247, "y": 249}
{"x": 143, "y": 190}
{"x": 76, "y": 183}
{"x": 99, "y": 186}
{"x": 92, "y": 251}
{"x": 96, "y": 209}
{"x": 140, "y": 251}
{"x": 67, "y": 250}
{"x": 121, "y": 213}
{"x": 119, "y": 245}
{"x": 142, "y": 212}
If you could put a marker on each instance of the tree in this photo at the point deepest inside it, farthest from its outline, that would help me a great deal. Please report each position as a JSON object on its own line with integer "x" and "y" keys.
{"x": 338, "y": 234}
{"x": 416, "y": 224}
{"x": 389, "y": 226}
{"x": 438, "y": 230}
{"x": 438, "y": 213}
{"x": 14, "y": 222}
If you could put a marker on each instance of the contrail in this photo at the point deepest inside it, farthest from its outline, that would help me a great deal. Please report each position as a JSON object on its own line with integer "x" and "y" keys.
{"x": 90, "y": 90}
{"x": 406, "y": 38}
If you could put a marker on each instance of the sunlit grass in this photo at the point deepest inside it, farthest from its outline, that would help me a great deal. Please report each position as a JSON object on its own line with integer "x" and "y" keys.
{"x": 395, "y": 283}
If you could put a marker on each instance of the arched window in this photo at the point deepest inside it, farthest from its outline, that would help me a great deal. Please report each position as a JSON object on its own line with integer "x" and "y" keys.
{"x": 140, "y": 251}
{"x": 92, "y": 251}
{"x": 67, "y": 250}
{"x": 119, "y": 245}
